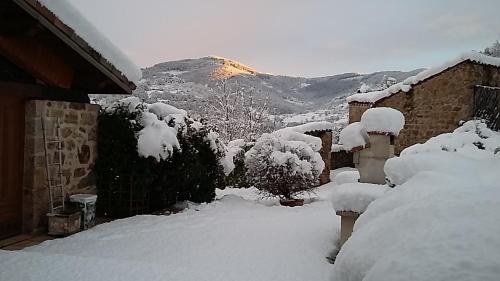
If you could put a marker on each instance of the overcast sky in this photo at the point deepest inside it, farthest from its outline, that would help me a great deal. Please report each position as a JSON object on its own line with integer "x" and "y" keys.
{"x": 298, "y": 37}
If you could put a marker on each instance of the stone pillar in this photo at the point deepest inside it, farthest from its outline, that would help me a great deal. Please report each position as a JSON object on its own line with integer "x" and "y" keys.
{"x": 371, "y": 160}
{"x": 326, "y": 139}
{"x": 347, "y": 220}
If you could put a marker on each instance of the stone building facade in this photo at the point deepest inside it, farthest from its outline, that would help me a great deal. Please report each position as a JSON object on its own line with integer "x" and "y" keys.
{"x": 78, "y": 133}
{"x": 437, "y": 104}
{"x": 47, "y": 72}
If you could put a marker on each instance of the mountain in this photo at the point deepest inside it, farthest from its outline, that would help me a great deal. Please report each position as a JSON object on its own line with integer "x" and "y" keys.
{"x": 189, "y": 84}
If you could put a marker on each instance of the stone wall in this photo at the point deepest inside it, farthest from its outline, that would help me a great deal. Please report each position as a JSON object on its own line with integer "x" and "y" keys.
{"x": 79, "y": 151}
{"x": 356, "y": 110}
{"x": 436, "y": 105}
{"x": 341, "y": 159}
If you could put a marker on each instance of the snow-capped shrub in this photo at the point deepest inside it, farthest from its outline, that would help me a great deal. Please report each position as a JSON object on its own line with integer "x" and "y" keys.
{"x": 156, "y": 154}
{"x": 235, "y": 153}
{"x": 278, "y": 165}
{"x": 191, "y": 173}
{"x": 119, "y": 167}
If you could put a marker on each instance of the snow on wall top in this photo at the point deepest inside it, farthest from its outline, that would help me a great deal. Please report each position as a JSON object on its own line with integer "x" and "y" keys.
{"x": 70, "y": 16}
{"x": 383, "y": 120}
{"x": 312, "y": 127}
{"x": 408, "y": 83}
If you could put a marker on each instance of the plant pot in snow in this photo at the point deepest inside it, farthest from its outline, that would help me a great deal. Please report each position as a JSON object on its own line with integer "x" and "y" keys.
{"x": 292, "y": 202}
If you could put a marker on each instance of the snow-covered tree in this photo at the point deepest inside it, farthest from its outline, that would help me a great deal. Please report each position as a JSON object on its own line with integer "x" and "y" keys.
{"x": 493, "y": 50}
{"x": 385, "y": 83}
{"x": 284, "y": 165}
{"x": 238, "y": 112}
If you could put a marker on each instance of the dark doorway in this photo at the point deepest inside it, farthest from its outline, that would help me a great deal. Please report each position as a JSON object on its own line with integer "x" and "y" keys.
{"x": 11, "y": 164}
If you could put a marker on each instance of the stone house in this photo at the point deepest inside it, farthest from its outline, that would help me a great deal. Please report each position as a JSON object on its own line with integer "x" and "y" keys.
{"x": 47, "y": 70}
{"x": 436, "y": 100}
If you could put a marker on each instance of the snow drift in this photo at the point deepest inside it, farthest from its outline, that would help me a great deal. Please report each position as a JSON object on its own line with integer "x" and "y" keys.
{"x": 440, "y": 222}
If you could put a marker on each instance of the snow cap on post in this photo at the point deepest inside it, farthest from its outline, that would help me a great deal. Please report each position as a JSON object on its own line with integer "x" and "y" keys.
{"x": 383, "y": 120}
{"x": 354, "y": 137}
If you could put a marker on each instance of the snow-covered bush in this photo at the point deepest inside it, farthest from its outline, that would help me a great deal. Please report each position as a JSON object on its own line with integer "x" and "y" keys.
{"x": 440, "y": 222}
{"x": 236, "y": 150}
{"x": 118, "y": 163}
{"x": 157, "y": 154}
{"x": 284, "y": 164}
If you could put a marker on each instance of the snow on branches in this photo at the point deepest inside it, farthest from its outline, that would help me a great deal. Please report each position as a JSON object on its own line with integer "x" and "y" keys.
{"x": 238, "y": 112}
{"x": 285, "y": 163}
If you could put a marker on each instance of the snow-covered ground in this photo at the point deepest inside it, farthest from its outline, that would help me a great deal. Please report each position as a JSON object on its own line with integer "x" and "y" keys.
{"x": 440, "y": 221}
{"x": 237, "y": 237}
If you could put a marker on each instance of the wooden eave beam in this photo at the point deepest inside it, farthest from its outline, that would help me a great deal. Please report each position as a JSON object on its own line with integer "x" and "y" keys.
{"x": 70, "y": 38}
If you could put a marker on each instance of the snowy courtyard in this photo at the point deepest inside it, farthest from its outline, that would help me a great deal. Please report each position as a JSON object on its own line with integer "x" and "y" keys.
{"x": 237, "y": 237}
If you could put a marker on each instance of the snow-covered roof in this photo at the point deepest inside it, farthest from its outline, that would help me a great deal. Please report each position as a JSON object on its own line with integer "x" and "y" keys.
{"x": 408, "y": 83}
{"x": 383, "y": 120}
{"x": 77, "y": 23}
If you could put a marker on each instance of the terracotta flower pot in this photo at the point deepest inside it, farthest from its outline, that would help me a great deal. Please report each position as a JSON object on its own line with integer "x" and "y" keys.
{"x": 292, "y": 202}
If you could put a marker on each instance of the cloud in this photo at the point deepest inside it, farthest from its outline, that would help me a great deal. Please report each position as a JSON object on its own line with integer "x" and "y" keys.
{"x": 294, "y": 37}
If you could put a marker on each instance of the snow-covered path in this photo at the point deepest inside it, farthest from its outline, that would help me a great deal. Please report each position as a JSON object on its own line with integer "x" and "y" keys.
{"x": 235, "y": 238}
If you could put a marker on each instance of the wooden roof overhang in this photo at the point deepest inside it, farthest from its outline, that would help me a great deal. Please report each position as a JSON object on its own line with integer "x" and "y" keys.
{"x": 34, "y": 39}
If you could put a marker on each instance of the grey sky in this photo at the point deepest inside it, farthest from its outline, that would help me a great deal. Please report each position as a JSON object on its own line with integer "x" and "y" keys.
{"x": 298, "y": 37}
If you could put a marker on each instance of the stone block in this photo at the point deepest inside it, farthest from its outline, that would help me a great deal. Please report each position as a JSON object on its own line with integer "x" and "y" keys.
{"x": 84, "y": 154}
{"x": 79, "y": 172}
{"x": 71, "y": 117}
{"x": 88, "y": 118}
{"x": 77, "y": 106}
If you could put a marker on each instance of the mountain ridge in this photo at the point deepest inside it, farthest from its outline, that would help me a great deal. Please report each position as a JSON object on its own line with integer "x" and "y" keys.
{"x": 191, "y": 83}
{"x": 183, "y": 81}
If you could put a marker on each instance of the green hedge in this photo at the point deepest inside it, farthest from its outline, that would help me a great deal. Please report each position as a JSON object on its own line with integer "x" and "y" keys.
{"x": 129, "y": 184}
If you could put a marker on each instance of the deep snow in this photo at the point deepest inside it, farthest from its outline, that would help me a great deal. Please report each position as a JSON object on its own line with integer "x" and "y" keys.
{"x": 440, "y": 221}
{"x": 238, "y": 237}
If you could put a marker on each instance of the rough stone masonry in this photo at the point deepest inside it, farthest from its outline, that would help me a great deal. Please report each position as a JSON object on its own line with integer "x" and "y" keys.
{"x": 78, "y": 132}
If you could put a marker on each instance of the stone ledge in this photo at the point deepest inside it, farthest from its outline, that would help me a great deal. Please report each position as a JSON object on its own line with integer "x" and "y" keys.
{"x": 348, "y": 214}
